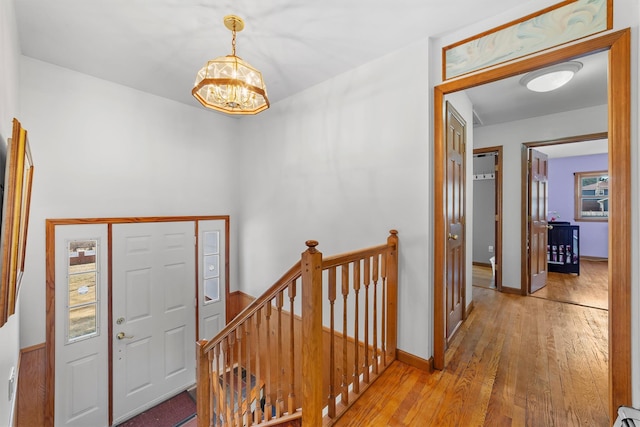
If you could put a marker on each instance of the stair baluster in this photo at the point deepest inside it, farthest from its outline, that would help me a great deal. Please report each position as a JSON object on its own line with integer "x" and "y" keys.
{"x": 291, "y": 407}
{"x": 356, "y": 328}
{"x": 345, "y": 356}
{"x": 332, "y": 346}
{"x": 374, "y": 356}
{"x": 366, "y": 282}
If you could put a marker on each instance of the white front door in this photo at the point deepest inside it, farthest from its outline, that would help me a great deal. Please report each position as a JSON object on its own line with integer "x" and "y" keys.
{"x": 81, "y": 329}
{"x": 153, "y": 307}
{"x": 212, "y": 236}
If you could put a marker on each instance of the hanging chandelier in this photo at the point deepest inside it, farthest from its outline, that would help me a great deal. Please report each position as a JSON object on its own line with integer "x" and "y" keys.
{"x": 228, "y": 83}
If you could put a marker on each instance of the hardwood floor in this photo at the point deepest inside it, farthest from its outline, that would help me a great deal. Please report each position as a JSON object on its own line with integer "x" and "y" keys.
{"x": 516, "y": 361}
{"x": 483, "y": 276}
{"x": 31, "y": 395}
{"x": 590, "y": 288}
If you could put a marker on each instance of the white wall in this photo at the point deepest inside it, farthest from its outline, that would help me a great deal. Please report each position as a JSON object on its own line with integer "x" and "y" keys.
{"x": 105, "y": 150}
{"x": 511, "y": 136}
{"x": 343, "y": 163}
{"x": 9, "y": 58}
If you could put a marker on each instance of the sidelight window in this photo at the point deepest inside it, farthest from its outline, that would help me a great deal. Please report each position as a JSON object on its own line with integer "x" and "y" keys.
{"x": 211, "y": 273}
{"x": 82, "y": 285}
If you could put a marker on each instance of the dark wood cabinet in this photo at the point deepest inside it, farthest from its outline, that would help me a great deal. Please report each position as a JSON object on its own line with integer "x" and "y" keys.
{"x": 563, "y": 253}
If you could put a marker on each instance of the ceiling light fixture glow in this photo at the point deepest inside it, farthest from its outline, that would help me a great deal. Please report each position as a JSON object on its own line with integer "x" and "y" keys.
{"x": 229, "y": 84}
{"x": 551, "y": 78}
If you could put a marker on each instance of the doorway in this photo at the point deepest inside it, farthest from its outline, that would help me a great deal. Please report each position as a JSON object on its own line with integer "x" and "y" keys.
{"x": 82, "y": 386}
{"x": 487, "y": 212}
{"x": 559, "y": 209}
{"x": 619, "y": 82}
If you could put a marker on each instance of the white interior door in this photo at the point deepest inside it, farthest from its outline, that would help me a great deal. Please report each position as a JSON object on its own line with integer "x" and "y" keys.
{"x": 211, "y": 277}
{"x": 153, "y": 306}
{"x": 81, "y": 328}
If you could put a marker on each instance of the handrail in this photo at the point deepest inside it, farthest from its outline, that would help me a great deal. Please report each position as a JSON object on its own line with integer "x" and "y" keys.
{"x": 336, "y": 260}
{"x": 292, "y": 274}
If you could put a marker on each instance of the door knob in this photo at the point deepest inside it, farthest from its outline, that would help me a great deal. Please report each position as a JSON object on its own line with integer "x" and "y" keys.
{"x": 453, "y": 236}
{"x": 122, "y": 336}
{"x": 550, "y": 227}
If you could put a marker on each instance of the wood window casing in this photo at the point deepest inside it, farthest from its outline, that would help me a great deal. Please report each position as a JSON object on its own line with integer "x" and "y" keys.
{"x": 600, "y": 198}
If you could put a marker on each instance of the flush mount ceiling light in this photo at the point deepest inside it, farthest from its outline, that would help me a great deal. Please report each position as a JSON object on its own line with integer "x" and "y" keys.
{"x": 228, "y": 83}
{"x": 551, "y": 78}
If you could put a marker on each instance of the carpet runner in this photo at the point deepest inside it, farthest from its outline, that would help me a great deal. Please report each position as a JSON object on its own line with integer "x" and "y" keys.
{"x": 170, "y": 413}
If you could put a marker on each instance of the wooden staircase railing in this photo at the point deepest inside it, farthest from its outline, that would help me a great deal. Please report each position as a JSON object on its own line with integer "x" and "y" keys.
{"x": 286, "y": 360}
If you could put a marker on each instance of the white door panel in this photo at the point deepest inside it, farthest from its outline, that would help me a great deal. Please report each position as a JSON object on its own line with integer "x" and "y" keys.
{"x": 153, "y": 299}
{"x": 81, "y": 341}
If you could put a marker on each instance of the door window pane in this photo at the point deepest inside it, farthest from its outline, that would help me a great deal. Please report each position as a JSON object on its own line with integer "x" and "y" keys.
{"x": 82, "y": 285}
{"x": 82, "y": 322}
{"x": 211, "y": 266}
{"x": 82, "y": 288}
{"x": 211, "y": 242}
{"x": 212, "y": 290}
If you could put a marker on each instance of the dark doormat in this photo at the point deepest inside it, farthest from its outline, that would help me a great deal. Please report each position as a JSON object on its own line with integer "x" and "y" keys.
{"x": 170, "y": 413}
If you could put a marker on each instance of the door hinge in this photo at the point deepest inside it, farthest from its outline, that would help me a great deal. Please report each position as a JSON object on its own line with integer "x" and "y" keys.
{"x": 497, "y": 168}
{"x": 497, "y": 217}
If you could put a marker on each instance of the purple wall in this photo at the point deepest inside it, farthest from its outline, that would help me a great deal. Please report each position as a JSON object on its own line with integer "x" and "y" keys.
{"x": 594, "y": 236}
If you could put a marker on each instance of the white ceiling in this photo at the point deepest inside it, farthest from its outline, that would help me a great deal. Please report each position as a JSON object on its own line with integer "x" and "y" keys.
{"x": 507, "y": 100}
{"x": 157, "y": 46}
{"x": 583, "y": 148}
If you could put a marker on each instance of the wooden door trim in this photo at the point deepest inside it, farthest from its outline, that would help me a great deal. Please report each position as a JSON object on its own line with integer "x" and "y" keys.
{"x": 524, "y": 224}
{"x": 497, "y": 245}
{"x": 619, "y": 83}
{"x": 50, "y": 240}
{"x": 524, "y": 191}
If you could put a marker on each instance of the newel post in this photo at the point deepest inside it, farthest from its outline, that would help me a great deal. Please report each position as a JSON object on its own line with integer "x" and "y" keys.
{"x": 311, "y": 264}
{"x": 203, "y": 389}
{"x": 392, "y": 295}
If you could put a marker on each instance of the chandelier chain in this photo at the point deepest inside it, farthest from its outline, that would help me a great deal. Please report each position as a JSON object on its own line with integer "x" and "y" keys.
{"x": 233, "y": 40}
